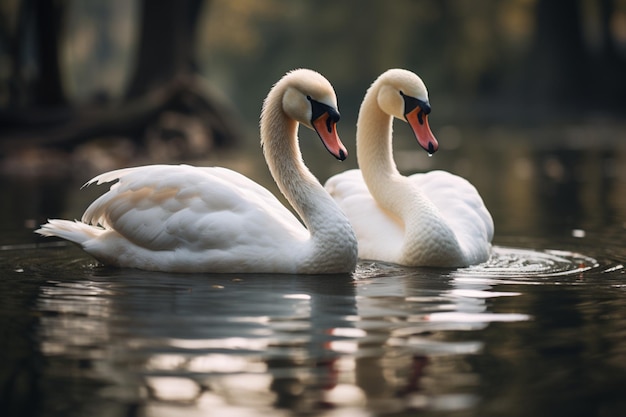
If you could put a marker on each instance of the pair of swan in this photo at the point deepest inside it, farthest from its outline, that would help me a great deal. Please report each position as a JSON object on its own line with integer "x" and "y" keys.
{"x": 193, "y": 219}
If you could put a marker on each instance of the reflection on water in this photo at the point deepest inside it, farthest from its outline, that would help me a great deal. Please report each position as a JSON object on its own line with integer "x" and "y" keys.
{"x": 537, "y": 330}
{"x": 386, "y": 340}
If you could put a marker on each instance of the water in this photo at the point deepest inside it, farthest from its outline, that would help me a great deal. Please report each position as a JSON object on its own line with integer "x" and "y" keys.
{"x": 542, "y": 329}
{"x": 538, "y": 330}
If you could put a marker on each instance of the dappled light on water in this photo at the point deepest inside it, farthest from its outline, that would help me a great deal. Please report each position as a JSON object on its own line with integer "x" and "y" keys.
{"x": 382, "y": 340}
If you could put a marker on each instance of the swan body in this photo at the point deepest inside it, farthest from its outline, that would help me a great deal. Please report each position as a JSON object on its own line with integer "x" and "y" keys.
{"x": 212, "y": 219}
{"x": 430, "y": 219}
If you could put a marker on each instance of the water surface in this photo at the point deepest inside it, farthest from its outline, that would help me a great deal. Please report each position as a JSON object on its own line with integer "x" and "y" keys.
{"x": 538, "y": 330}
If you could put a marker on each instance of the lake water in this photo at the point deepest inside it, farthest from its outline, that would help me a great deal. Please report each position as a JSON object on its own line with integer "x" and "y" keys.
{"x": 538, "y": 330}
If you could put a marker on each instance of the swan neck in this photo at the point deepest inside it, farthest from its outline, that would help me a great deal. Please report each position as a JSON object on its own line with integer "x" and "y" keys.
{"x": 284, "y": 159}
{"x": 391, "y": 190}
{"x": 375, "y": 152}
{"x": 374, "y": 141}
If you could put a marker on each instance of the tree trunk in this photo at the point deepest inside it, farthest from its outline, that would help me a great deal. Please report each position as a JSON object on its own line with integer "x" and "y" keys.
{"x": 166, "y": 43}
{"x": 164, "y": 80}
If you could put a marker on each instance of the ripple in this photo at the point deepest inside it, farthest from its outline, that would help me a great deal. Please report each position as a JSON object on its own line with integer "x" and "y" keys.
{"x": 52, "y": 258}
{"x": 524, "y": 263}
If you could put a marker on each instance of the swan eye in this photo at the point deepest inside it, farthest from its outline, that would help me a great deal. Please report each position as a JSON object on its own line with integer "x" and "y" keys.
{"x": 309, "y": 98}
{"x": 318, "y": 109}
{"x": 411, "y": 103}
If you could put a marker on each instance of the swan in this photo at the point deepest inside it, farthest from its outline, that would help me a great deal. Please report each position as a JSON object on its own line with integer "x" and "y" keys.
{"x": 433, "y": 219}
{"x": 212, "y": 219}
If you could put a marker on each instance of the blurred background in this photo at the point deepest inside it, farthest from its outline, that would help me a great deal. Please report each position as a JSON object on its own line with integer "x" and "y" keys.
{"x": 528, "y": 103}
{"x": 528, "y": 96}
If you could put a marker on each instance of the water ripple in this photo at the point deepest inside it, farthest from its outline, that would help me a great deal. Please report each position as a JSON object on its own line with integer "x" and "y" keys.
{"x": 390, "y": 337}
{"x": 525, "y": 263}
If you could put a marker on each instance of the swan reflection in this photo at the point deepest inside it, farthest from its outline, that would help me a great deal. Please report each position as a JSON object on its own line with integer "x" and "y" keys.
{"x": 384, "y": 340}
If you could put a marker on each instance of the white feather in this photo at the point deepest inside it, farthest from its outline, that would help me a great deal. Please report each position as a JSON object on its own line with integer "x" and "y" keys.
{"x": 211, "y": 219}
{"x": 430, "y": 219}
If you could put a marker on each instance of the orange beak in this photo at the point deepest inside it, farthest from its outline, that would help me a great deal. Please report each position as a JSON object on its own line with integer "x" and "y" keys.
{"x": 326, "y": 128}
{"x": 418, "y": 120}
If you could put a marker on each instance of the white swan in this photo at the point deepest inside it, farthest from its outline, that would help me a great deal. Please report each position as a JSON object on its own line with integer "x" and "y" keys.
{"x": 432, "y": 219}
{"x": 191, "y": 219}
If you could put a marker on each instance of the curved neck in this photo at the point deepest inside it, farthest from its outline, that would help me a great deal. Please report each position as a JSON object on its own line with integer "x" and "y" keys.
{"x": 374, "y": 140}
{"x": 391, "y": 190}
{"x": 333, "y": 241}
{"x": 282, "y": 154}
{"x": 375, "y": 153}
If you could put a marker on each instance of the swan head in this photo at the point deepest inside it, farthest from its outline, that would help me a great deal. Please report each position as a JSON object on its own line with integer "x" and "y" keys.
{"x": 403, "y": 95}
{"x": 310, "y": 100}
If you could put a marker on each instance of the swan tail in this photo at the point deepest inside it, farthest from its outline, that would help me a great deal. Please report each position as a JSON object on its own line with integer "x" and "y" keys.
{"x": 74, "y": 231}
